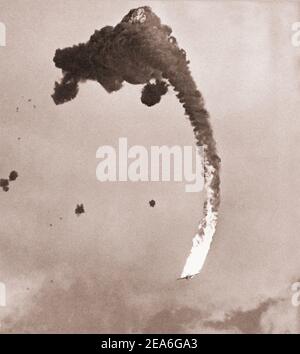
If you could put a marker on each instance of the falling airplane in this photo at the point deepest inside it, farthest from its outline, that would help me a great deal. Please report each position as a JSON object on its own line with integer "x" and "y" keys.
{"x": 188, "y": 277}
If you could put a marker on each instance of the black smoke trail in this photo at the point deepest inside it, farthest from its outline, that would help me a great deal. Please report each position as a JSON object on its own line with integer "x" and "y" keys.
{"x": 139, "y": 50}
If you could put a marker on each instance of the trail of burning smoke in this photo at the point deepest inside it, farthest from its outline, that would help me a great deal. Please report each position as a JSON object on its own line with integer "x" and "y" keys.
{"x": 137, "y": 50}
{"x": 207, "y": 228}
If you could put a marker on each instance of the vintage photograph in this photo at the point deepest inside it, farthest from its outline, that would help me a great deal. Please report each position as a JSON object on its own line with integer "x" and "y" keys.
{"x": 149, "y": 175}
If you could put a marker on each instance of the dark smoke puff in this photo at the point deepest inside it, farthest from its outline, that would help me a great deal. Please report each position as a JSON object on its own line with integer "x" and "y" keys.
{"x": 65, "y": 91}
{"x": 150, "y": 96}
{"x": 152, "y": 93}
{"x": 152, "y": 203}
{"x": 67, "y": 88}
{"x": 4, "y": 184}
{"x": 13, "y": 175}
{"x": 79, "y": 209}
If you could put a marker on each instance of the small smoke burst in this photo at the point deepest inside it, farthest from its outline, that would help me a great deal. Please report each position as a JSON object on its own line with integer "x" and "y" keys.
{"x": 152, "y": 203}
{"x": 79, "y": 209}
{"x": 4, "y": 182}
{"x": 13, "y": 175}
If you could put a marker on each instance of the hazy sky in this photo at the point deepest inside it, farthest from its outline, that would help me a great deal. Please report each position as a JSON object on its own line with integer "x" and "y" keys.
{"x": 114, "y": 268}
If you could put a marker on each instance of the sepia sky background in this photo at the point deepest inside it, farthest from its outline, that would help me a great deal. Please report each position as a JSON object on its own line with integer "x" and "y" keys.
{"x": 114, "y": 268}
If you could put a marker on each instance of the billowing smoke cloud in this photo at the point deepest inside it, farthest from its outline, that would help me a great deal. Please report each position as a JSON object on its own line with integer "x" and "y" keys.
{"x": 140, "y": 50}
